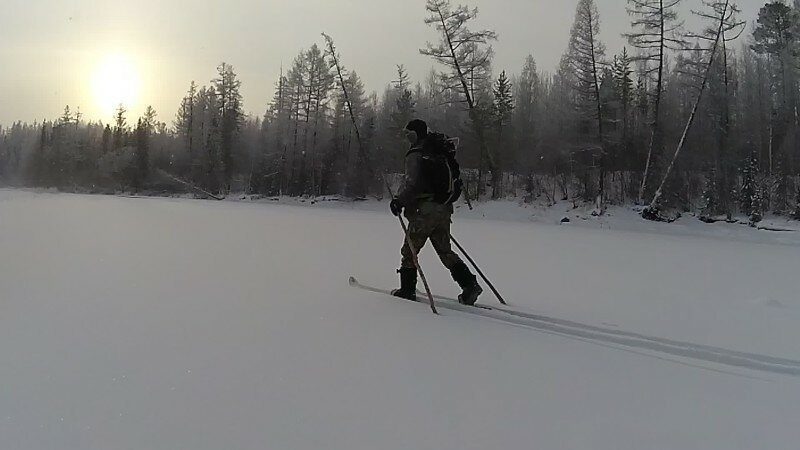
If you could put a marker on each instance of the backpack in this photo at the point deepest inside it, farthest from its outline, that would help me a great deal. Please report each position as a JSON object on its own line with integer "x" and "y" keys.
{"x": 440, "y": 168}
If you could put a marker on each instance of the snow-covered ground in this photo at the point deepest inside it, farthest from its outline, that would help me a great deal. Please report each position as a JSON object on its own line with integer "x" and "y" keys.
{"x": 173, "y": 324}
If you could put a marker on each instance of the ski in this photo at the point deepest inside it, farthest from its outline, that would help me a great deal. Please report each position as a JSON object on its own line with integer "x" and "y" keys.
{"x": 446, "y": 302}
{"x": 497, "y": 311}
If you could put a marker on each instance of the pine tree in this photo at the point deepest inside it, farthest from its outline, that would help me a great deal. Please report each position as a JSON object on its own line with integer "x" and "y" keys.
{"x": 356, "y": 184}
{"x": 66, "y": 117}
{"x": 503, "y": 104}
{"x": 528, "y": 99}
{"x": 402, "y": 112}
{"x": 623, "y": 81}
{"x": 229, "y": 102}
{"x": 38, "y": 165}
{"x": 711, "y": 205}
{"x": 779, "y": 185}
{"x": 622, "y": 74}
{"x": 106, "y": 141}
{"x": 142, "y": 159}
{"x": 777, "y": 35}
{"x": 149, "y": 119}
{"x": 278, "y": 118}
{"x": 796, "y": 214}
{"x": 120, "y": 130}
{"x": 756, "y": 213}
{"x": 585, "y": 56}
{"x": 502, "y": 110}
{"x": 748, "y": 186}
{"x": 185, "y": 119}
{"x": 404, "y": 109}
{"x": 207, "y": 167}
{"x": 404, "y": 104}
{"x": 751, "y": 198}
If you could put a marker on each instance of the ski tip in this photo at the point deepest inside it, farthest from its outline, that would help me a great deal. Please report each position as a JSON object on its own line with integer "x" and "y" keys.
{"x": 353, "y": 281}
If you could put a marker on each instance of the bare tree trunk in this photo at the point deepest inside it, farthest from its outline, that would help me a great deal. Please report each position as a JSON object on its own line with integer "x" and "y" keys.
{"x": 601, "y": 194}
{"x": 651, "y": 211}
{"x": 654, "y": 136}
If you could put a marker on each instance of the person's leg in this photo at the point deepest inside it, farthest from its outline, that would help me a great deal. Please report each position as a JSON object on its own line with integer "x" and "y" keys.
{"x": 418, "y": 231}
{"x": 440, "y": 238}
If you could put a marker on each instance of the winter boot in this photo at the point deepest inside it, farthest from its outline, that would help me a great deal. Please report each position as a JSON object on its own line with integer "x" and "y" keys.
{"x": 408, "y": 284}
{"x": 470, "y": 289}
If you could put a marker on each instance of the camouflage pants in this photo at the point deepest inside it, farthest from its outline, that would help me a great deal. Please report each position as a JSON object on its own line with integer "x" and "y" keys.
{"x": 430, "y": 221}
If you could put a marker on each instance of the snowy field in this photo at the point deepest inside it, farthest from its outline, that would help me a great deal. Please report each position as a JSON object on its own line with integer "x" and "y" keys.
{"x": 171, "y": 324}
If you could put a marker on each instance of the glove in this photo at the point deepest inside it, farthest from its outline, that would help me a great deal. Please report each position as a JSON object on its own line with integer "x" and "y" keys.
{"x": 396, "y": 207}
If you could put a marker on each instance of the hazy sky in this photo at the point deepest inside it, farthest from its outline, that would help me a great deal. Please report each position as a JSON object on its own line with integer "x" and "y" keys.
{"x": 52, "y": 50}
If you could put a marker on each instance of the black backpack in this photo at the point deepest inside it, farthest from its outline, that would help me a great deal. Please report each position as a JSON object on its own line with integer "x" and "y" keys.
{"x": 440, "y": 168}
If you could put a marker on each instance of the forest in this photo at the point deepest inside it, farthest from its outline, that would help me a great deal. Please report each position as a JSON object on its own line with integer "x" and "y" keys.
{"x": 680, "y": 120}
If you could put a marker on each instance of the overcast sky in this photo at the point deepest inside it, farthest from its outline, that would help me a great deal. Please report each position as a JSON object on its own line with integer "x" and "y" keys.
{"x": 50, "y": 49}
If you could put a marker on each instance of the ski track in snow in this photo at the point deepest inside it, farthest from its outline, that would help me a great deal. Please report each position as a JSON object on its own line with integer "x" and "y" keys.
{"x": 610, "y": 336}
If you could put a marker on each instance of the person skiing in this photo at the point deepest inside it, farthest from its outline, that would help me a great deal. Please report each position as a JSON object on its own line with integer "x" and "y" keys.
{"x": 432, "y": 184}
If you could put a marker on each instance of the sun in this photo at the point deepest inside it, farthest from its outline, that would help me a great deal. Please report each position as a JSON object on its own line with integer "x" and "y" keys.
{"x": 116, "y": 81}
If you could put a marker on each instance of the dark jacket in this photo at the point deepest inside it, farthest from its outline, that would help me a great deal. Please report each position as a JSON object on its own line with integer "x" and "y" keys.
{"x": 418, "y": 187}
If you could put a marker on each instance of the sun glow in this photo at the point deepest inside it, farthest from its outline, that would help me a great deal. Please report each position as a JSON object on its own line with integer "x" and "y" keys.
{"x": 116, "y": 81}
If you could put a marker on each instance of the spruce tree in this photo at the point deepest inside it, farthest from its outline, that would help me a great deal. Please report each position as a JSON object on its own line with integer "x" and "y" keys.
{"x": 502, "y": 110}
{"x": 776, "y": 35}
{"x": 528, "y": 98}
{"x": 142, "y": 154}
{"x": 796, "y": 215}
{"x": 711, "y": 205}
{"x": 106, "y": 141}
{"x": 751, "y": 197}
{"x": 503, "y": 104}
{"x": 622, "y": 76}
{"x": 231, "y": 114}
{"x": 404, "y": 101}
{"x": 120, "y": 129}
{"x": 586, "y": 58}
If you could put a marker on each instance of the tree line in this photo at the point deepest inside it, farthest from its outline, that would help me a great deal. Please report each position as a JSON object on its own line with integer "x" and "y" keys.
{"x": 681, "y": 120}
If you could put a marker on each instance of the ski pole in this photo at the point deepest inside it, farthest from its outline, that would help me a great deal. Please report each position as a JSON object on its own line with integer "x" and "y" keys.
{"x": 478, "y": 269}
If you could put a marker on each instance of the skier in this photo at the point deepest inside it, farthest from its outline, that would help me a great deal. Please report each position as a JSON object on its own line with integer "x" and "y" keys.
{"x": 432, "y": 184}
